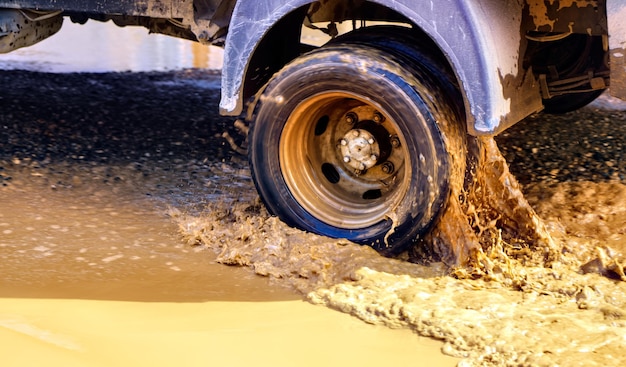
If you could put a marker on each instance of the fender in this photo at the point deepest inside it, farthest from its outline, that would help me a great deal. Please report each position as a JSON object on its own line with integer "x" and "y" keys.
{"x": 481, "y": 39}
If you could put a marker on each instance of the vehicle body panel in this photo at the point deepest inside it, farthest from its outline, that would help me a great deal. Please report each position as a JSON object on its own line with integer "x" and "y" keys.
{"x": 153, "y": 8}
{"x": 483, "y": 40}
{"x": 482, "y": 46}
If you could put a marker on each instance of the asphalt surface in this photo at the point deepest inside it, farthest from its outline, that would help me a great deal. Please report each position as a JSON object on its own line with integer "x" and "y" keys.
{"x": 111, "y": 117}
{"x": 584, "y": 145}
{"x": 166, "y": 118}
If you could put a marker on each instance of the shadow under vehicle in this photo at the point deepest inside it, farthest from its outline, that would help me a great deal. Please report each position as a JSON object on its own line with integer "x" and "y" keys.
{"x": 358, "y": 137}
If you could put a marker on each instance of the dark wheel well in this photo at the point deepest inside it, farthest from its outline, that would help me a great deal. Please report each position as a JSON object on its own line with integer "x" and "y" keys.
{"x": 282, "y": 43}
{"x": 576, "y": 55}
{"x": 279, "y": 46}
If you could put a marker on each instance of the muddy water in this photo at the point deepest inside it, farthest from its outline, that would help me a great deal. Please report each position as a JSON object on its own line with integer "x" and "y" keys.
{"x": 98, "y": 240}
{"x": 519, "y": 313}
{"x": 94, "y": 273}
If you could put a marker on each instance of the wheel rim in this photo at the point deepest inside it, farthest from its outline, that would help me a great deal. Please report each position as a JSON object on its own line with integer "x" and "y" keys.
{"x": 343, "y": 160}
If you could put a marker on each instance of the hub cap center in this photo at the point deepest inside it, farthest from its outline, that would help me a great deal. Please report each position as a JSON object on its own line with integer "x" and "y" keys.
{"x": 359, "y": 149}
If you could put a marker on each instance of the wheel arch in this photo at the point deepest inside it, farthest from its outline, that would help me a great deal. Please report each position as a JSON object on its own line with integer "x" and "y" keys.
{"x": 481, "y": 41}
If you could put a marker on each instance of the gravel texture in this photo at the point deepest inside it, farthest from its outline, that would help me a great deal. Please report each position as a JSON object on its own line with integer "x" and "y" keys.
{"x": 111, "y": 117}
{"x": 171, "y": 119}
{"x": 584, "y": 145}
{"x": 158, "y": 133}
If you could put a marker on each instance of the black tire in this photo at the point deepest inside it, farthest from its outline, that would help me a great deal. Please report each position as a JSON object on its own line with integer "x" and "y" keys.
{"x": 345, "y": 142}
{"x": 570, "y": 102}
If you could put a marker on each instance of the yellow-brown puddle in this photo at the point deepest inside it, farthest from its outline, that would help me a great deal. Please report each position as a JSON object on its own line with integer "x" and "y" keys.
{"x": 509, "y": 288}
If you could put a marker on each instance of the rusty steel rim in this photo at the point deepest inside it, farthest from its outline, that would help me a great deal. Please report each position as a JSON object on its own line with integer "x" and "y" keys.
{"x": 343, "y": 160}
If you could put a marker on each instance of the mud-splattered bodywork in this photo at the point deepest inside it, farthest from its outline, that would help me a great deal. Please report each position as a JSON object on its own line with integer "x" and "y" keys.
{"x": 484, "y": 41}
{"x": 481, "y": 40}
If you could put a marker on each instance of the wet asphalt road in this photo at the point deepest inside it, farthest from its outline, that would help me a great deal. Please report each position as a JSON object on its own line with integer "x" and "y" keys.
{"x": 584, "y": 145}
{"x": 165, "y": 125}
{"x": 111, "y": 117}
{"x": 171, "y": 119}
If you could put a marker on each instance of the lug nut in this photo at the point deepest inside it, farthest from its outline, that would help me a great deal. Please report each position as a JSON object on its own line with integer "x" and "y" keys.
{"x": 203, "y": 36}
{"x": 387, "y": 167}
{"x": 395, "y": 142}
{"x": 346, "y": 159}
{"x": 351, "y": 118}
{"x": 371, "y": 141}
{"x": 343, "y": 142}
{"x": 378, "y": 117}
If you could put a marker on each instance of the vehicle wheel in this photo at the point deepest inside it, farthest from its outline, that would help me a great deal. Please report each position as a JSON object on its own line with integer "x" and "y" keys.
{"x": 345, "y": 142}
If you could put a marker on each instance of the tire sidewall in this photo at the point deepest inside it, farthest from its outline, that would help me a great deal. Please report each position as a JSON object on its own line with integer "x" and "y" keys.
{"x": 379, "y": 79}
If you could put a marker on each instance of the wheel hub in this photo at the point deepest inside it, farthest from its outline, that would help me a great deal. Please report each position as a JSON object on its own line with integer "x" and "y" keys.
{"x": 359, "y": 149}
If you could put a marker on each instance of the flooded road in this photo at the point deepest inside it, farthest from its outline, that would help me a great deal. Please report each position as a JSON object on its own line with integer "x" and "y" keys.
{"x": 94, "y": 170}
{"x": 80, "y": 263}
{"x": 103, "y": 243}
{"x": 122, "y": 201}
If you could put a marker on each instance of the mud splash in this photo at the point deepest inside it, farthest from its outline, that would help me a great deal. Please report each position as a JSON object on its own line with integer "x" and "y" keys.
{"x": 515, "y": 290}
{"x": 494, "y": 223}
{"x": 489, "y": 221}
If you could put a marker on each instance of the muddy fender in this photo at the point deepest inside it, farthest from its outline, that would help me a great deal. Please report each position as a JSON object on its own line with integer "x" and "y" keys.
{"x": 481, "y": 40}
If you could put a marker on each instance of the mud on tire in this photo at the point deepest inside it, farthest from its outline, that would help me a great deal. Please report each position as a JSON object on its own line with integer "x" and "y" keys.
{"x": 351, "y": 141}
